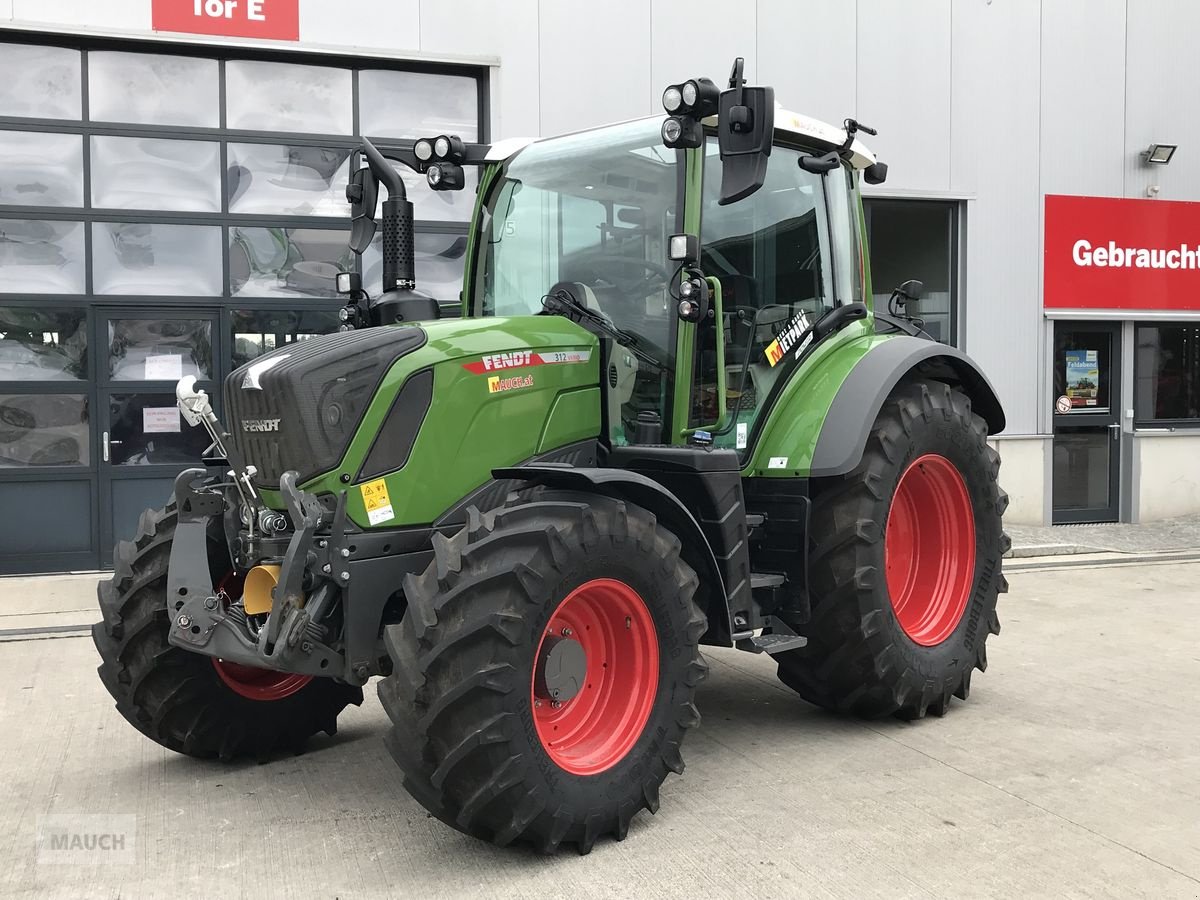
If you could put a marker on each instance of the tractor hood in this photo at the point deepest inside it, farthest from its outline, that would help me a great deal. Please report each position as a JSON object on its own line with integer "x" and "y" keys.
{"x": 427, "y": 412}
{"x": 296, "y": 408}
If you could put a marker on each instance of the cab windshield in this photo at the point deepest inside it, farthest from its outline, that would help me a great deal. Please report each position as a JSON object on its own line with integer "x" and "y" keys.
{"x": 591, "y": 213}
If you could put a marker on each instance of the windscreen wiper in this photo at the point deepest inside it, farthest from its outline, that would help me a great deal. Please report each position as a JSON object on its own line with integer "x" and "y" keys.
{"x": 564, "y": 303}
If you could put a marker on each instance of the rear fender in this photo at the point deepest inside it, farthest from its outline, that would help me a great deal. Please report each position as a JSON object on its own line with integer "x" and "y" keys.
{"x": 843, "y": 436}
{"x": 622, "y": 484}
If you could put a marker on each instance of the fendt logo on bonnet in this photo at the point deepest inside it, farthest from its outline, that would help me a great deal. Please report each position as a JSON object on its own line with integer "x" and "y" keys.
{"x": 260, "y": 424}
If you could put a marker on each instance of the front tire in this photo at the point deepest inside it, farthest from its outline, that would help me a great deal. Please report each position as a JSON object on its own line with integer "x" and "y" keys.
{"x": 905, "y": 563}
{"x": 187, "y": 702}
{"x": 483, "y": 742}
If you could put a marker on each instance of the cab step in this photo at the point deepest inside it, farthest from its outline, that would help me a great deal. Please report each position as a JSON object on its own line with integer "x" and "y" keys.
{"x": 780, "y": 639}
{"x": 766, "y": 580}
{"x": 772, "y": 643}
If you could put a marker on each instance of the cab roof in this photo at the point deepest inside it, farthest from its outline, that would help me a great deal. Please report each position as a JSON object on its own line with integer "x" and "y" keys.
{"x": 789, "y": 123}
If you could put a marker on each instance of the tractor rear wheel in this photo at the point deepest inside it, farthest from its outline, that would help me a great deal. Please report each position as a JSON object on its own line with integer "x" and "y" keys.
{"x": 187, "y": 702}
{"x": 905, "y": 563}
{"x": 545, "y": 671}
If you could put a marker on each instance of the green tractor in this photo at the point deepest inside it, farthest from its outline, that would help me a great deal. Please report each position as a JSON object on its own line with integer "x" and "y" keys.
{"x": 668, "y": 416}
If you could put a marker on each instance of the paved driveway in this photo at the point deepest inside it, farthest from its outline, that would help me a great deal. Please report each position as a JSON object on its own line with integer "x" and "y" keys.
{"x": 1073, "y": 771}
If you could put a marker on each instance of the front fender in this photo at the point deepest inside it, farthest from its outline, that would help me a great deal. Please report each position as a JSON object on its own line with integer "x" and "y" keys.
{"x": 634, "y": 487}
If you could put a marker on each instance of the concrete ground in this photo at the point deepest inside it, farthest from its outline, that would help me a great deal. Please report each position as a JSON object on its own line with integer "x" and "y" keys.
{"x": 1145, "y": 538}
{"x": 1072, "y": 772}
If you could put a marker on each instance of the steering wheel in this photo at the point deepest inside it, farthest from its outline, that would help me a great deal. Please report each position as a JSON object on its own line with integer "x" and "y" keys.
{"x": 631, "y": 285}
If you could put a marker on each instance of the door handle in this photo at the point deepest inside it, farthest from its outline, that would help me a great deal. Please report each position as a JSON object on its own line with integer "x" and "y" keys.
{"x": 106, "y": 441}
{"x": 1115, "y": 428}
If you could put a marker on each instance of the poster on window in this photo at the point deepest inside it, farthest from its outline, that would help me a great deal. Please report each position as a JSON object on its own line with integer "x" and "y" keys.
{"x": 1083, "y": 378}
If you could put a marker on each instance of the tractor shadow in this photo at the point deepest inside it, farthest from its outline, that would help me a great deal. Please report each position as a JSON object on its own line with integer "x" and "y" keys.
{"x": 746, "y": 715}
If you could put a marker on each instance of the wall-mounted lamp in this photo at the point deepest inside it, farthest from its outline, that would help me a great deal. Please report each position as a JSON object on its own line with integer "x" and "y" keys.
{"x": 1159, "y": 154}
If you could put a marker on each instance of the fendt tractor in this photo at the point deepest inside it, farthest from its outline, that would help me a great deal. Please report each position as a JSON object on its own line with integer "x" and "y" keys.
{"x": 669, "y": 415}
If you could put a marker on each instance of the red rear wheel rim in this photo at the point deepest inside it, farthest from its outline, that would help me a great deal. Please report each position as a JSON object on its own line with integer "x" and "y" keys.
{"x": 929, "y": 549}
{"x": 252, "y": 682}
{"x": 596, "y": 729}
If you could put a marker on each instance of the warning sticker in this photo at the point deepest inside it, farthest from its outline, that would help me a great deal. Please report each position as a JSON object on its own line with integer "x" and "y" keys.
{"x": 787, "y": 339}
{"x": 376, "y": 500}
{"x": 522, "y": 359}
{"x": 497, "y": 385}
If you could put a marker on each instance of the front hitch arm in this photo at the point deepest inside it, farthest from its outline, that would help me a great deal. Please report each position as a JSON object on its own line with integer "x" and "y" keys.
{"x": 202, "y": 619}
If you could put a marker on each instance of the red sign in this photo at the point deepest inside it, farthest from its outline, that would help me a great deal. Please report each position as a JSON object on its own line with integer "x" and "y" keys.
{"x": 1113, "y": 253}
{"x": 277, "y": 20}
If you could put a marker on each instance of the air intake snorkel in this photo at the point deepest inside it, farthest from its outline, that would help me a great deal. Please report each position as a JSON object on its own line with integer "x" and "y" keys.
{"x": 400, "y": 301}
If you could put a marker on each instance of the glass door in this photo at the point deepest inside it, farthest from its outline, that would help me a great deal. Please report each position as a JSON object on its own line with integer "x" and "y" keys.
{"x": 1087, "y": 424}
{"x": 144, "y": 441}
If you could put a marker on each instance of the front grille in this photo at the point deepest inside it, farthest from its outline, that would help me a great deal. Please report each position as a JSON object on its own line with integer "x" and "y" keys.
{"x": 310, "y": 399}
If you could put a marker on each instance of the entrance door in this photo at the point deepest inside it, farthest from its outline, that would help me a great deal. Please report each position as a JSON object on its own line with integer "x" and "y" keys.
{"x": 1087, "y": 424}
{"x": 144, "y": 441}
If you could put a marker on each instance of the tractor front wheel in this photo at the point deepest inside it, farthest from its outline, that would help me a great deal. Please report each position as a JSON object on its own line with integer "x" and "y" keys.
{"x": 545, "y": 671}
{"x": 187, "y": 702}
{"x": 905, "y": 563}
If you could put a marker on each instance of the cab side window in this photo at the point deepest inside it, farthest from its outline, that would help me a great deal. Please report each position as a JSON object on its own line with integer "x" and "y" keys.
{"x": 772, "y": 254}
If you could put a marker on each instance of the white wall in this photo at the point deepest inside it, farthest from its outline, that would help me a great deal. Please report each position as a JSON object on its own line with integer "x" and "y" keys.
{"x": 1168, "y": 485}
{"x": 1023, "y": 477}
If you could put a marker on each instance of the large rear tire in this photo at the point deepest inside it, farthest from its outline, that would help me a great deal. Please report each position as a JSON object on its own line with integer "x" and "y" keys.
{"x": 186, "y": 702}
{"x": 905, "y": 563}
{"x": 569, "y": 593}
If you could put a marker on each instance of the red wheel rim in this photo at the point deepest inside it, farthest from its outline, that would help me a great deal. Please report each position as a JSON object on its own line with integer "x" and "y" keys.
{"x": 929, "y": 549}
{"x": 252, "y": 682}
{"x": 595, "y": 729}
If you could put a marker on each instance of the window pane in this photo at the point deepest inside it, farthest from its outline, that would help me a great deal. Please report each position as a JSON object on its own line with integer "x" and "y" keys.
{"x": 771, "y": 248}
{"x": 152, "y": 89}
{"x": 146, "y": 429}
{"x": 417, "y": 104}
{"x": 287, "y": 262}
{"x": 283, "y": 180}
{"x": 915, "y": 239}
{"x": 1081, "y": 467}
{"x": 41, "y": 169}
{"x": 1083, "y": 367}
{"x": 43, "y": 430}
{"x": 256, "y": 332}
{"x": 40, "y": 82}
{"x": 146, "y": 173}
{"x": 146, "y": 258}
{"x": 159, "y": 349}
{"x": 266, "y": 96}
{"x": 39, "y": 257}
{"x": 439, "y": 264}
{"x": 43, "y": 344}
{"x": 1167, "y": 371}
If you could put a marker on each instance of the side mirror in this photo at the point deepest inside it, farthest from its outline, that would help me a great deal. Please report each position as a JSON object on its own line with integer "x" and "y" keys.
{"x": 906, "y": 296}
{"x": 911, "y": 289}
{"x": 362, "y": 193}
{"x": 745, "y": 128}
{"x": 876, "y": 173}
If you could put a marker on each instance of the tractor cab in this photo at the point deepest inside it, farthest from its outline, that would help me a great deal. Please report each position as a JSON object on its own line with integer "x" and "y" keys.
{"x": 689, "y": 245}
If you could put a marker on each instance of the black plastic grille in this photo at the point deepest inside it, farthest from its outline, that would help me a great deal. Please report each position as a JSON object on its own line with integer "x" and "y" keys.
{"x": 309, "y": 404}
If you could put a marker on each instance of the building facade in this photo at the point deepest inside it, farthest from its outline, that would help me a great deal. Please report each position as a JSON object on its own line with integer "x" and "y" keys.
{"x": 170, "y": 203}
